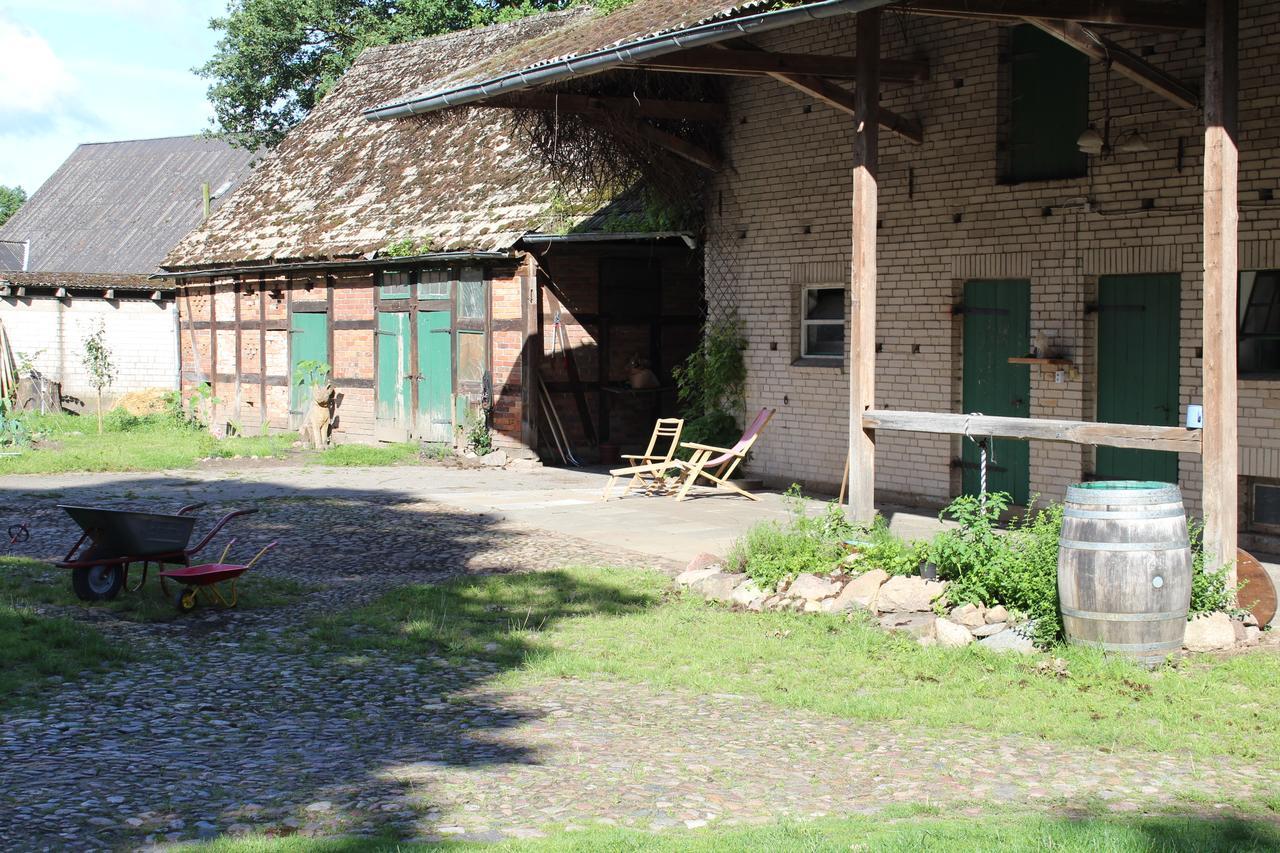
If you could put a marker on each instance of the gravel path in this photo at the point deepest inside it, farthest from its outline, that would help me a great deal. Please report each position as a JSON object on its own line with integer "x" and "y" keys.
{"x": 227, "y": 728}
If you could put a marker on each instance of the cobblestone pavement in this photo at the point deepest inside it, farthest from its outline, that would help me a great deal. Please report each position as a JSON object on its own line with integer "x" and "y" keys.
{"x": 225, "y": 728}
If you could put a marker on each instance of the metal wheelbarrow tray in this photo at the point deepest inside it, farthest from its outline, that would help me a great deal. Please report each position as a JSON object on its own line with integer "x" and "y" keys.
{"x": 114, "y": 539}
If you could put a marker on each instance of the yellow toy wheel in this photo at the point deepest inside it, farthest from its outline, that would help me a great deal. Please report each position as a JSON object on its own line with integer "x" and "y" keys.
{"x": 185, "y": 599}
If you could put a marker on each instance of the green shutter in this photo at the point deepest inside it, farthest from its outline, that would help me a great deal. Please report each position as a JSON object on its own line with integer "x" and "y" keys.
{"x": 1049, "y": 108}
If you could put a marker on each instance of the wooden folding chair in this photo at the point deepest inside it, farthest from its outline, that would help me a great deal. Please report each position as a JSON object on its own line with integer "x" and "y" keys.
{"x": 717, "y": 464}
{"x": 653, "y": 463}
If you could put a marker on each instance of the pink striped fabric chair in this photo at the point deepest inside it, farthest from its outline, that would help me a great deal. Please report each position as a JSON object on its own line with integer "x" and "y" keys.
{"x": 717, "y": 464}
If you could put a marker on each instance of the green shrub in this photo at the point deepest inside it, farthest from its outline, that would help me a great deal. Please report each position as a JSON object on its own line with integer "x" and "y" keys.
{"x": 1209, "y": 590}
{"x": 717, "y": 429}
{"x": 883, "y": 550}
{"x": 771, "y": 552}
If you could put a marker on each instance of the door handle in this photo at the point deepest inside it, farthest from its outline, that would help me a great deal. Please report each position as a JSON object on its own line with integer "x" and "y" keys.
{"x": 1017, "y": 404}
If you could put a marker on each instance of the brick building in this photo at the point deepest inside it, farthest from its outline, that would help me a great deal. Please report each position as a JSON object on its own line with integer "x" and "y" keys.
{"x": 440, "y": 269}
{"x": 1038, "y": 186}
{"x": 82, "y": 252}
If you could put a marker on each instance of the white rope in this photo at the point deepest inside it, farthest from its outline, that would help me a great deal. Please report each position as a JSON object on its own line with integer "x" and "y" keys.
{"x": 983, "y": 458}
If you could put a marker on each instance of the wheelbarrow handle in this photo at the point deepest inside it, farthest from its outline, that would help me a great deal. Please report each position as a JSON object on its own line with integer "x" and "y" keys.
{"x": 222, "y": 522}
{"x": 258, "y": 556}
{"x": 192, "y": 507}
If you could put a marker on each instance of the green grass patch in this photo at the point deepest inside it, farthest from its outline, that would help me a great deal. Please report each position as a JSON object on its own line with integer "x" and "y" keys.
{"x": 65, "y": 443}
{"x": 371, "y": 455}
{"x": 623, "y": 624}
{"x": 34, "y": 582}
{"x": 874, "y": 833}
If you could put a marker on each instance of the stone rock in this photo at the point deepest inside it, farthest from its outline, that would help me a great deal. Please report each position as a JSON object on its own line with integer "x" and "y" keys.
{"x": 692, "y": 576}
{"x": 988, "y": 630}
{"x": 1008, "y": 640}
{"x": 1238, "y": 629}
{"x": 968, "y": 615}
{"x": 496, "y": 459}
{"x": 1250, "y": 619}
{"x": 320, "y": 806}
{"x": 746, "y": 592}
{"x": 704, "y": 561}
{"x": 812, "y": 588}
{"x": 951, "y": 635}
{"x": 861, "y": 591}
{"x": 827, "y": 605}
{"x": 719, "y": 586}
{"x": 996, "y": 614}
{"x": 1209, "y": 633}
{"x": 908, "y": 595}
{"x": 1252, "y": 634}
{"x": 811, "y": 606}
{"x": 916, "y": 624}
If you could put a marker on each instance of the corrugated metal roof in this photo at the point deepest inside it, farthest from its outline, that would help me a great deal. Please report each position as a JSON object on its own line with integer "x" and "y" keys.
{"x": 339, "y": 186}
{"x": 119, "y": 207}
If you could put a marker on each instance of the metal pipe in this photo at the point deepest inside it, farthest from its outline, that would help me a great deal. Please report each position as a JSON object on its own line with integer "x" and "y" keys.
{"x": 636, "y": 51}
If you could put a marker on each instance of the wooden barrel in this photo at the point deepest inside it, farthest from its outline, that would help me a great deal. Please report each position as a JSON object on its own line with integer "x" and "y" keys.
{"x": 1124, "y": 568}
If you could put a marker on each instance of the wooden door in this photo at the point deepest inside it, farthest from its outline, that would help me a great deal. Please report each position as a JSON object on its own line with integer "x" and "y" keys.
{"x": 308, "y": 341}
{"x": 393, "y": 404}
{"x": 1138, "y": 370}
{"x": 997, "y": 322}
{"x": 435, "y": 377}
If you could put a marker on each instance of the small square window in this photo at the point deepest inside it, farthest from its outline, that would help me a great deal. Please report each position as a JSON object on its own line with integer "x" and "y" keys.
{"x": 822, "y": 323}
{"x": 1259, "y": 330}
{"x": 433, "y": 284}
{"x": 395, "y": 285}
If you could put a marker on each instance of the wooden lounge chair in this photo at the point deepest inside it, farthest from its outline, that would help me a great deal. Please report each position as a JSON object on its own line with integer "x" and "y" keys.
{"x": 717, "y": 464}
{"x": 652, "y": 465}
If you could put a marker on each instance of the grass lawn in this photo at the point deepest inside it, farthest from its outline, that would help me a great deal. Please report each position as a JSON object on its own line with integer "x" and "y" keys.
{"x": 35, "y": 647}
{"x": 629, "y": 625}
{"x": 70, "y": 443}
{"x": 358, "y": 455}
{"x": 890, "y": 835}
{"x": 34, "y": 582}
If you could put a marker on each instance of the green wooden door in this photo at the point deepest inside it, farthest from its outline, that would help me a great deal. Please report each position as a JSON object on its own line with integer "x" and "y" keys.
{"x": 393, "y": 403}
{"x": 997, "y": 320}
{"x": 1138, "y": 369}
{"x": 308, "y": 341}
{"x": 435, "y": 376}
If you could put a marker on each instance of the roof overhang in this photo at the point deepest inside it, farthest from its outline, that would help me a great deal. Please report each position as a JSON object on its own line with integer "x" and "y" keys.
{"x": 357, "y": 263}
{"x": 617, "y": 55}
{"x": 685, "y": 237}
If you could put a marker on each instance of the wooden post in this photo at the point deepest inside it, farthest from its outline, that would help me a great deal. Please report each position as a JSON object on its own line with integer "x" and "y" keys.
{"x": 1221, "y": 276}
{"x": 862, "y": 294}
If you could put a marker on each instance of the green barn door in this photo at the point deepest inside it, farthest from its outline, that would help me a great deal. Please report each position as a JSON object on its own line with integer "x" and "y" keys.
{"x": 1138, "y": 369}
{"x": 308, "y": 341}
{"x": 435, "y": 376}
{"x": 393, "y": 403}
{"x": 997, "y": 321}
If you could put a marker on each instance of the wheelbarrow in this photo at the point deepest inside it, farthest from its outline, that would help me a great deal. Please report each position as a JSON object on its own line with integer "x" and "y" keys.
{"x": 209, "y": 579}
{"x": 114, "y": 540}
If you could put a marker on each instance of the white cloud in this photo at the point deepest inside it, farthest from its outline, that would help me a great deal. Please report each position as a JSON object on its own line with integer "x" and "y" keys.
{"x": 35, "y": 85}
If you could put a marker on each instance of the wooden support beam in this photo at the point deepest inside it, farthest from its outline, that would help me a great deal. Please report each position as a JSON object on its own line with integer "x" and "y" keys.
{"x": 1125, "y": 63}
{"x": 715, "y": 60}
{"x": 1221, "y": 277}
{"x": 1131, "y": 436}
{"x": 845, "y": 101}
{"x": 677, "y": 145}
{"x": 862, "y": 285}
{"x": 640, "y": 108}
{"x": 1132, "y": 14}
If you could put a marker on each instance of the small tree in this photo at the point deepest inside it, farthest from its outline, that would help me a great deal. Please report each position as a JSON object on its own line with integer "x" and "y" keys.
{"x": 98, "y": 364}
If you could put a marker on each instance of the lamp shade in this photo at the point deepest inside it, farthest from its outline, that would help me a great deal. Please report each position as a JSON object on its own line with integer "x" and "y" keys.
{"x": 1090, "y": 142}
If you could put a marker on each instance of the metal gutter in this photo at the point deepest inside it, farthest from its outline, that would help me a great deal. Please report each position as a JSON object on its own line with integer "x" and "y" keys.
{"x": 618, "y": 237}
{"x": 438, "y": 257}
{"x": 636, "y": 51}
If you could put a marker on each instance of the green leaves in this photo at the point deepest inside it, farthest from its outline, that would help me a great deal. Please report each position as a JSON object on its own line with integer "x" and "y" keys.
{"x": 11, "y": 198}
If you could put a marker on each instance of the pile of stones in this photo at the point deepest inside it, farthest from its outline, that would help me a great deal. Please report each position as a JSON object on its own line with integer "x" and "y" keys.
{"x": 899, "y": 603}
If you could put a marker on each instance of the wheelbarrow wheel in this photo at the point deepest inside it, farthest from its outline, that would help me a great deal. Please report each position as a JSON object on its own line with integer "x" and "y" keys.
{"x": 184, "y": 598}
{"x": 97, "y": 583}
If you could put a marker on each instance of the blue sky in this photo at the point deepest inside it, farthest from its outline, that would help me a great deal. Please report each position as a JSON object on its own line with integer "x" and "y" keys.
{"x": 96, "y": 71}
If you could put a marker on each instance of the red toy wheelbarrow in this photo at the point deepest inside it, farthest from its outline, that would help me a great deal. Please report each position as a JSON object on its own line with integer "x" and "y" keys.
{"x": 118, "y": 539}
{"x": 208, "y": 579}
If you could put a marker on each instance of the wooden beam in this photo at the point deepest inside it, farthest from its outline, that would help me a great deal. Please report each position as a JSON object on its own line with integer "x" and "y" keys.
{"x": 1221, "y": 277}
{"x": 701, "y": 111}
{"x": 845, "y": 101}
{"x": 1125, "y": 63}
{"x": 1116, "y": 13}
{"x": 862, "y": 285}
{"x": 1131, "y": 436}
{"x": 677, "y": 145}
{"x": 713, "y": 60}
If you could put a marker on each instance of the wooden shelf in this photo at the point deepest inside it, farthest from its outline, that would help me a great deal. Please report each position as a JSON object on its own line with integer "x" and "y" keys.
{"x": 1053, "y": 362}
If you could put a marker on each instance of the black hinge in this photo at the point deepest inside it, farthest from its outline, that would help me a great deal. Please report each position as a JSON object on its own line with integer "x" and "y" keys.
{"x": 1095, "y": 308}
{"x": 974, "y": 466}
{"x": 980, "y": 312}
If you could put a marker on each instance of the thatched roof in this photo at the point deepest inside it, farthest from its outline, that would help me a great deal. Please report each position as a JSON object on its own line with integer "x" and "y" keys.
{"x": 339, "y": 186}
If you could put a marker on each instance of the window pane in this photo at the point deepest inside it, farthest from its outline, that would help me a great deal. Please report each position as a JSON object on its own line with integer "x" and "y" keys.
{"x": 395, "y": 285}
{"x": 824, "y": 339}
{"x": 470, "y": 356}
{"x": 471, "y": 295}
{"x": 433, "y": 284}
{"x": 824, "y": 304}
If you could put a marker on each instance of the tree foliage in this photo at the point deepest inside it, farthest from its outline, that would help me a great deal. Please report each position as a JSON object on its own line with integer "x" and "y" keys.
{"x": 277, "y": 58}
{"x": 11, "y": 198}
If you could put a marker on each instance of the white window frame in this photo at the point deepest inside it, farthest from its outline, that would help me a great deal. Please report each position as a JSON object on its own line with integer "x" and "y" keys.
{"x": 805, "y": 322}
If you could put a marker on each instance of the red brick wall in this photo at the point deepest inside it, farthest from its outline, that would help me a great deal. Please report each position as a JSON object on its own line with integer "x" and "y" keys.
{"x": 509, "y": 291}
